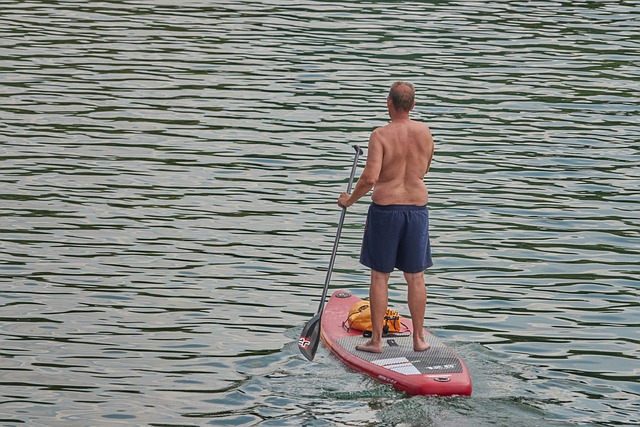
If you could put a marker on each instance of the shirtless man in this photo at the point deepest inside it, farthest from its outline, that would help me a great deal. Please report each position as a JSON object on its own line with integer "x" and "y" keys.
{"x": 397, "y": 231}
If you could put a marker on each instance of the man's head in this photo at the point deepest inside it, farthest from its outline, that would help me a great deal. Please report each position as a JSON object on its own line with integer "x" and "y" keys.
{"x": 402, "y": 96}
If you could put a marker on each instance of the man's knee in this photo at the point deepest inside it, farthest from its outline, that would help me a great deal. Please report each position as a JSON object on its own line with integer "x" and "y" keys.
{"x": 379, "y": 277}
{"x": 414, "y": 279}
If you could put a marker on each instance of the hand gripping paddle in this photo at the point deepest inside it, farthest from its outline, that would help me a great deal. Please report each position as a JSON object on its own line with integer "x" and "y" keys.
{"x": 310, "y": 336}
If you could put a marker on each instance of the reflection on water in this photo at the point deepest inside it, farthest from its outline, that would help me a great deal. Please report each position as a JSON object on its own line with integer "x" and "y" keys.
{"x": 169, "y": 175}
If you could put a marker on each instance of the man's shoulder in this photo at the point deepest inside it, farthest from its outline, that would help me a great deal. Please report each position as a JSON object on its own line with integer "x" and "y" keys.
{"x": 419, "y": 124}
{"x": 382, "y": 128}
{"x": 422, "y": 130}
{"x": 380, "y": 131}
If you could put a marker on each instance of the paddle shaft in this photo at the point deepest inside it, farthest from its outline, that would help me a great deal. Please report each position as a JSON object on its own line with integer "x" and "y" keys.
{"x": 337, "y": 239}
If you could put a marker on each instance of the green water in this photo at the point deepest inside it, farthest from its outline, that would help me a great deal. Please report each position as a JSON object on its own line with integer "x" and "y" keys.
{"x": 169, "y": 176}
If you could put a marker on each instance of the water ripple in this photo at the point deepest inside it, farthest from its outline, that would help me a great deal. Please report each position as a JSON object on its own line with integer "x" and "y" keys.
{"x": 169, "y": 175}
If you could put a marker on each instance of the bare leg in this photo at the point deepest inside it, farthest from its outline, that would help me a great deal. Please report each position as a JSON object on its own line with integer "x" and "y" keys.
{"x": 378, "y": 295}
{"x": 417, "y": 299}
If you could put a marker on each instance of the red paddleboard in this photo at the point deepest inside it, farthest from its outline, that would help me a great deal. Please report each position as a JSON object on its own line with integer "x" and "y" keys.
{"x": 436, "y": 371}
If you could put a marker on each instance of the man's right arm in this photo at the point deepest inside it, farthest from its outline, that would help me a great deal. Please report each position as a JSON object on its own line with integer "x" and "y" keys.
{"x": 370, "y": 174}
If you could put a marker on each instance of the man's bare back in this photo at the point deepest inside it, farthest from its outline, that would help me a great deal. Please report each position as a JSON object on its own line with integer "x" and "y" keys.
{"x": 405, "y": 148}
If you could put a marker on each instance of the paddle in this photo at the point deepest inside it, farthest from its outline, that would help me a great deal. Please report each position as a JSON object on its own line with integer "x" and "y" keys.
{"x": 310, "y": 336}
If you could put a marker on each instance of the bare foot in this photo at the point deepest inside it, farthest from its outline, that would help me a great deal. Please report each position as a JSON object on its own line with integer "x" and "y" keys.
{"x": 370, "y": 347}
{"x": 421, "y": 345}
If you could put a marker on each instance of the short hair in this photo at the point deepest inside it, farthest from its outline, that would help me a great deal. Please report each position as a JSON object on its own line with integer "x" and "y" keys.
{"x": 402, "y": 95}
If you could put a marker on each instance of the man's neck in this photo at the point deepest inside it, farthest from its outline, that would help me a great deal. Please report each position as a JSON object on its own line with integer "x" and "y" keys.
{"x": 399, "y": 117}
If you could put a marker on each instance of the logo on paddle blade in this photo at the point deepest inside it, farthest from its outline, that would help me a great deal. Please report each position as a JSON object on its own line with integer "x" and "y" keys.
{"x": 304, "y": 342}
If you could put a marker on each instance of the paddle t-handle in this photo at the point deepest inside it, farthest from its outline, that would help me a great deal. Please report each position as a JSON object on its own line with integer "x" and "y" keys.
{"x": 310, "y": 336}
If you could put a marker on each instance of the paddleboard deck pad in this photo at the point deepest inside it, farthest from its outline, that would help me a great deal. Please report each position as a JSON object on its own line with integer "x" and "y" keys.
{"x": 436, "y": 371}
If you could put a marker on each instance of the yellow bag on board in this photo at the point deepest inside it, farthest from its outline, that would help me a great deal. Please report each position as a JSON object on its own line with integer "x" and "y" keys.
{"x": 360, "y": 318}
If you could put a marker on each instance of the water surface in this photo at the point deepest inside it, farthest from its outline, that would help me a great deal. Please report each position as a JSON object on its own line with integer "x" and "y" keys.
{"x": 169, "y": 176}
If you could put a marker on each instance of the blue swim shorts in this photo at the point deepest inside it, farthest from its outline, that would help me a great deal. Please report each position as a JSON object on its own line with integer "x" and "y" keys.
{"x": 396, "y": 236}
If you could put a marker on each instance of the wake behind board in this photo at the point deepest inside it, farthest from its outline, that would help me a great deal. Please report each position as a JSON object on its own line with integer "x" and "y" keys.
{"x": 436, "y": 371}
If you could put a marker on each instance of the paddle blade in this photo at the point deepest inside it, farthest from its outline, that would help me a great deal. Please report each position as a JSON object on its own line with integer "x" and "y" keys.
{"x": 310, "y": 337}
